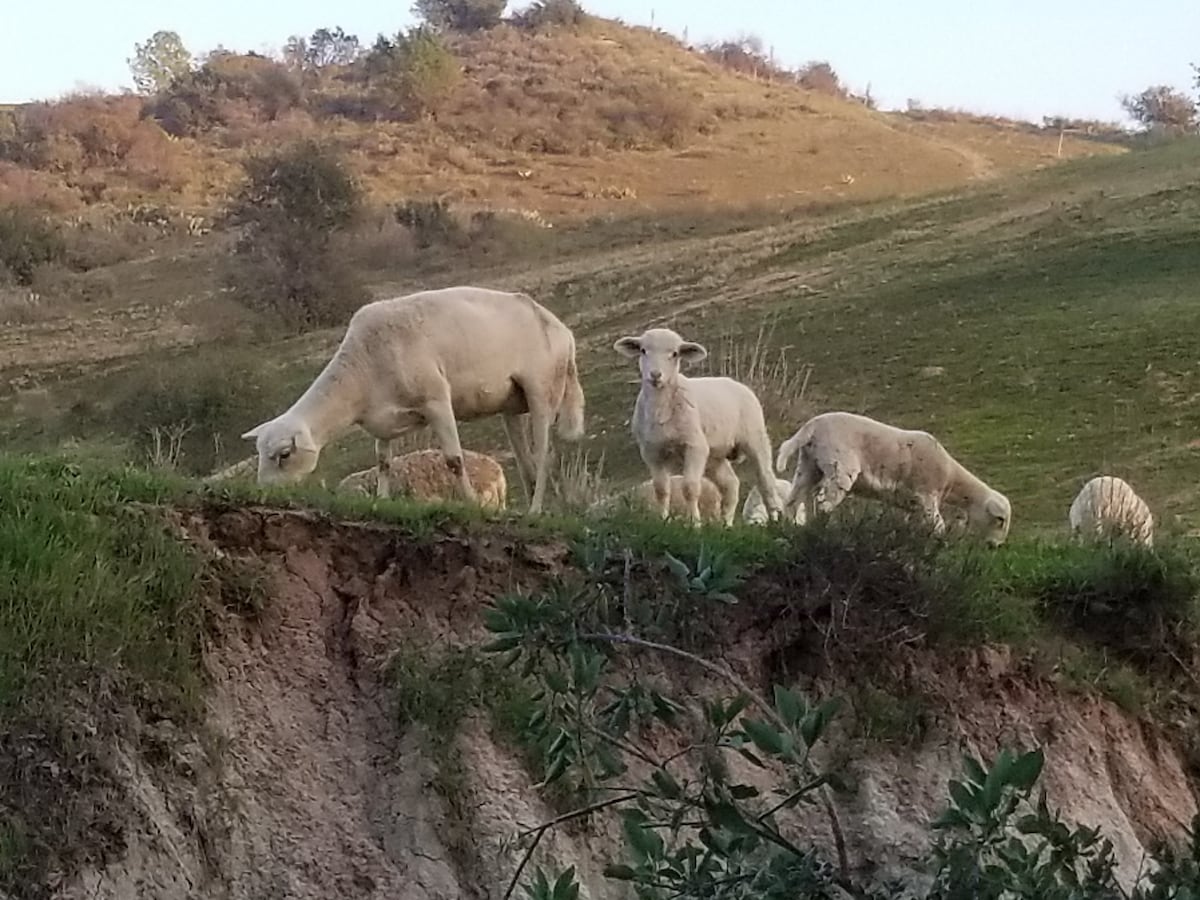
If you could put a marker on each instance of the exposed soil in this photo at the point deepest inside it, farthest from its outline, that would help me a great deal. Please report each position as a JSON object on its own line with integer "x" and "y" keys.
{"x": 303, "y": 784}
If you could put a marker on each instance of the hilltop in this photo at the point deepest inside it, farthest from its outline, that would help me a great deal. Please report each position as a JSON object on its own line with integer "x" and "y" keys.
{"x": 560, "y": 122}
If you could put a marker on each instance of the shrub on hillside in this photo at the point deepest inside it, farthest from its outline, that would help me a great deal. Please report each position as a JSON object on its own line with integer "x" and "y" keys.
{"x": 460, "y": 15}
{"x": 820, "y": 77}
{"x": 414, "y": 73}
{"x": 291, "y": 204}
{"x": 1162, "y": 108}
{"x": 228, "y": 86}
{"x": 545, "y": 14}
{"x": 27, "y": 241}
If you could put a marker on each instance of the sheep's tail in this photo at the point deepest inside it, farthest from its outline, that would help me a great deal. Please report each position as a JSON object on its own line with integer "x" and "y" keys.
{"x": 787, "y": 450}
{"x": 570, "y": 410}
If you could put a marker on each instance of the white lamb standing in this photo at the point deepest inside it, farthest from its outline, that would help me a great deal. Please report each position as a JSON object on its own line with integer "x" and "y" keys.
{"x": 840, "y": 452}
{"x": 697, "y": 425}
{"x": 435, "y": 358}
{"x": 754, "y": 511}
{"x": 424, "y": 475}
{"x": 1110, "y": 504}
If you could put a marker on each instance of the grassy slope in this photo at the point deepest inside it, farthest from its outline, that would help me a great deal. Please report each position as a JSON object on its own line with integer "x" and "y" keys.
{"x": 1058, "y": 303}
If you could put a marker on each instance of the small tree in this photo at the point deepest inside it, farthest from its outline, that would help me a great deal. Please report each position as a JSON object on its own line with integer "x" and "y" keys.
{"x": 159, "y": 61}
{"x": 820, "y": 76}
{"x": 460, "y": 15}
{"x": 551, "y": 14}
{"x": 416, "y": 71}
{"x": 291, "y": 205}
{"x": 1162, "y": 108}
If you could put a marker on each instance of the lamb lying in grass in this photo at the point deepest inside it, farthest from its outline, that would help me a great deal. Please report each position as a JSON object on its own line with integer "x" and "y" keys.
{"x": 434, "y": 358}
{"x": 839, "y": 452}
{"x": 1109, "y": 506}
{"x": 697, "y": 425}
{"x": 642, "y": 496}
{"x": 424, "y": 475}
{"x": 754, "y": 511}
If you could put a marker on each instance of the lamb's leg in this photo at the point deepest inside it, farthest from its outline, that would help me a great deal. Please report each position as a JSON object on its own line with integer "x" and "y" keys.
{"x": 516, "y": 427}
{"x": 695, "y": 460}
{"x": 384, "y": 451}
{"x": 760, "y": 458}
{"x": 726, "y": 480}
{"x": 440, "y": 416}
{"x": 803, "y": 483}
{"x": 661, "y": 479}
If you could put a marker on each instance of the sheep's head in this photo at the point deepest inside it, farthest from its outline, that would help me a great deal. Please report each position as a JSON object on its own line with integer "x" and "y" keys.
{"x": 660, "y": 352}
{"x": 992, "y": 518}
{"x": 286, "y": 451}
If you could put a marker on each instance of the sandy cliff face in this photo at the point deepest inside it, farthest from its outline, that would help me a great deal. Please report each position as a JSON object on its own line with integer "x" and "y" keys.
{"x": 303, "y": 783}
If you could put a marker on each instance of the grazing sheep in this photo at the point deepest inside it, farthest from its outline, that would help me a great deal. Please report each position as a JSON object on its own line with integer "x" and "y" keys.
{"x": 1108, "y": 504}
{"x": 699, "y": 425}
{"x": 424, "y": 475}
{"x": 435, "y": 358}
{"x": 754, "y": 511}
{"x": 840, "y": 452}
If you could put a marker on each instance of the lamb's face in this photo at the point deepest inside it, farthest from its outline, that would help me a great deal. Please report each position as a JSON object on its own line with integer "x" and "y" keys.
{"x": 992, "y": 519}
{"x": 660, "y": 352}
{"x": 286, "y": 451}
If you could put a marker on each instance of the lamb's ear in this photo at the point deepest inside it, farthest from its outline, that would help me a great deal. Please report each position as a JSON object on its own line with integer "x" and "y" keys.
{"x": 691, "y": 352}
{"x": 995, "y": 507}
{"x": 628, "y": 346}
{"x": 252, "y": 434}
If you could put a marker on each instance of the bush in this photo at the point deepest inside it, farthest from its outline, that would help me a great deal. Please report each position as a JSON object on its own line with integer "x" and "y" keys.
{"x": 27, "y": 241}
{"x": 289, "y": 208}
{"x": 431, "y": 222}
{"x": 460, "y": 15}
{"x": 820, "y": 77}
{"x": 414, "y": 73}
{"x": 545, "y": 14}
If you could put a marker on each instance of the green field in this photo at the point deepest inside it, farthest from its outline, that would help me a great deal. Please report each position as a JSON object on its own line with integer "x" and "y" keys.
{"x": 1043, "y": 326}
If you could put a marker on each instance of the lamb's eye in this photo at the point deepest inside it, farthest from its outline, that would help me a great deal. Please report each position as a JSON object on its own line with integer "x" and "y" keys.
{"x": 643, "y": 351}
{"x": 674, "y": 354}
{"x": 284, "y": 454}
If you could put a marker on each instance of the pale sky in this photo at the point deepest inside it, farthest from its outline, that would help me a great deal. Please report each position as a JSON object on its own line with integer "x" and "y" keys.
{"x": 1023, "y": 58}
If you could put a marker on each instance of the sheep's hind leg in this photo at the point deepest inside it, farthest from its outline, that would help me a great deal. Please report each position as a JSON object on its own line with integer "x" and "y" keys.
{"x": 726, "y": 480}
{"x": 540, "y": 418}
{"x": 516, "y": 427}
{"x": 440, "y": 416}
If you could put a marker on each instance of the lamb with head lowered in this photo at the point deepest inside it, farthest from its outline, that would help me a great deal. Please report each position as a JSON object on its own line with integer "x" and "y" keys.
{"x": 838, "y": 453}
{"x": 435, "y": 358}
{"x": 1109, "y": 506}
{"x": 695, "y": 426}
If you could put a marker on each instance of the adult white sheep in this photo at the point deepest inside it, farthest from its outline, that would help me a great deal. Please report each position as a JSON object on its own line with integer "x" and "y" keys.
{"x": 754, "y": 511}
{"x": 840, "y": 452}
{"x": 424, "y": 475}
{"x": 434, "y": 358}
{"x": 699, "y": 425}
{"x": 1107, "y": 504}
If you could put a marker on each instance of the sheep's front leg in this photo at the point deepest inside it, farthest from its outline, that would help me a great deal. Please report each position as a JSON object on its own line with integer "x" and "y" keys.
{"x": 929, "y": 507}
{"x": 695, "y": 461}
{"x": 727, "y": 482}
{"x": 384, "y": 451}
{"x": 440, "y": 416}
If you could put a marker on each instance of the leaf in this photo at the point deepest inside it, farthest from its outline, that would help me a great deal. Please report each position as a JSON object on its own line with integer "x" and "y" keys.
{"x": 750, "y": 757}
{"x": 667, "y": 786}
{"x": 963, "y": 796}
{"x": 733, "y": 709}
{"x": 724, "y": 597}
{"x": 764, "y": 736}
{"x": 620, "y": 873}
{"x": 646, "y": 845}
{"x": 974, "y": 769}
{"x": 726, "y": 816}
{"x": 496, "y": 620}
{"x": 555, "y": 770}
{"x": 789, "y": 705}
{"x": 504, "y": 643}
{"x": 562, "y": 887}
{"x": 951, "y": 818}
{"x": 677, "y": 566}
{"x": 815, "y": 723}
{"x": 1027, "y": 769}
{"x": 743, "y": 791}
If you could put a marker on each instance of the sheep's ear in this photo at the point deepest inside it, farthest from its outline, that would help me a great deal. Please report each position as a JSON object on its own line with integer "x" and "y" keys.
{"x": 691, "y": 352}
{"x": 628, "y": 346}
{"x": 252, "y": 434}
{"x": 995, "y": 507}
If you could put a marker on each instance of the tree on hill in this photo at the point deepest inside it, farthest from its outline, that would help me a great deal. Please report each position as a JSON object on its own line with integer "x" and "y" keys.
{"x": 414, "y": 71}
{"x": 324, "y": 47}
{"x": 460, "y": 15}
{"x": 1162, "y": 108}
{"x": 159, "y": 61}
